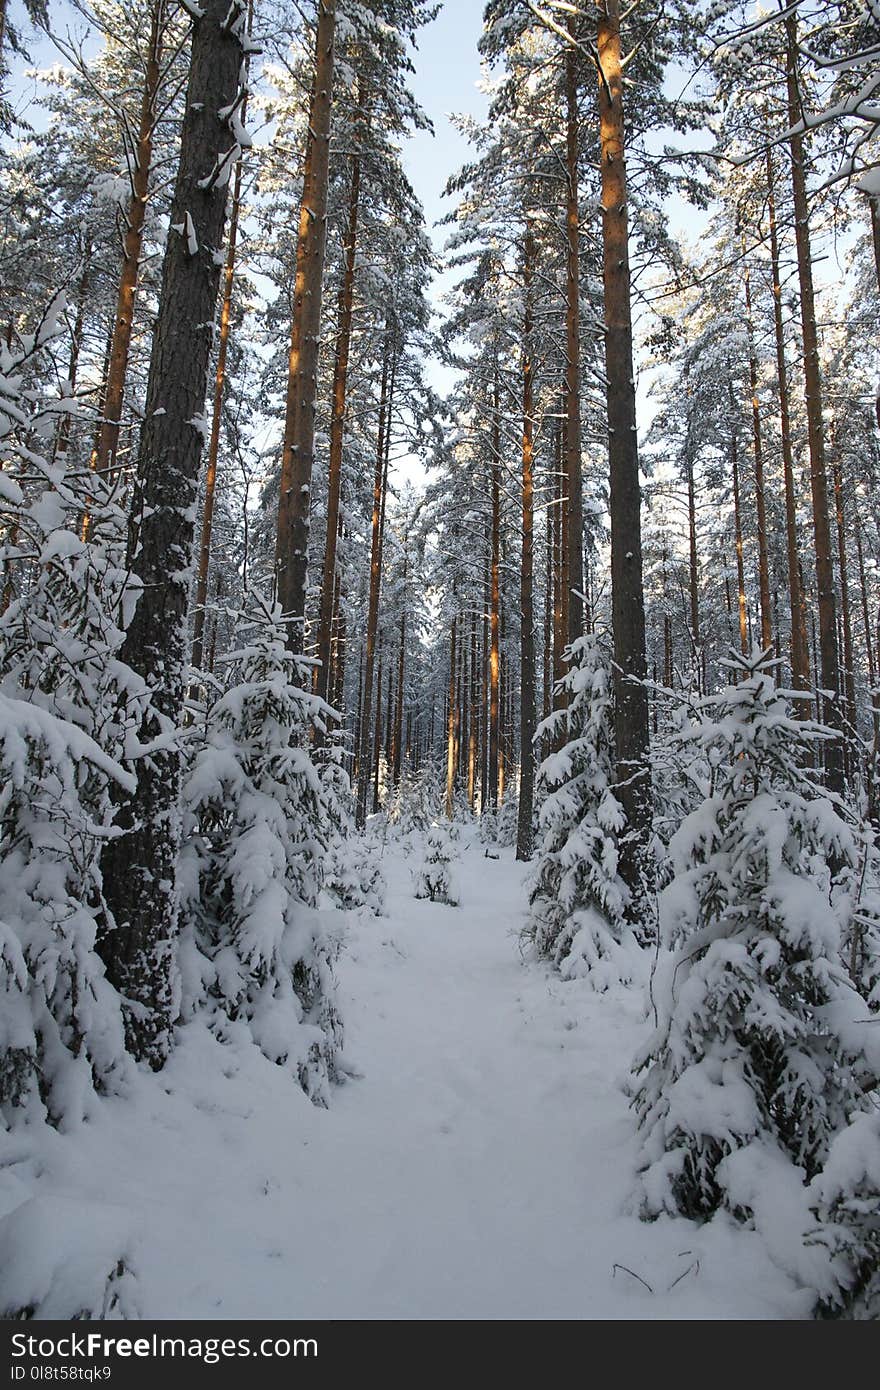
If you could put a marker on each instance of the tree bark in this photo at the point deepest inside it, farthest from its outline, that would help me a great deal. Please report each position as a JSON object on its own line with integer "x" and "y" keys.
{"x": 298, "y": 451}
{"x": 140, "y": 868}
{"x": 450, "y": 726}
{"x": 627, "y": 599}
{"x": 845, "y": 616}
{"x": 734, "y": 466}
{"x": 800, "y": 657}
{"x": 216, "y": 419}
{"x": 337, "y": 432}
{"x": 106, "y": 449}
{"x": 760, "y": 503}
{"x": 495, "y": 776}
{"x": 575, "y": 537}
{"x": 363, "y": 771}
{"x": 826, "y": 602}
{"x": 524, "y": 836}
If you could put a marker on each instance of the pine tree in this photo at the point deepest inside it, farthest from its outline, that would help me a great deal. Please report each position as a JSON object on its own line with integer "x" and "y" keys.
{"x": 577, "y": 897}
{"x": 141, "y": 866}
{"x": 755, "y": 1034}
{"x": 436, "y": 877}
{"x": 258, "y": 952}
{"x": 69, "y": 707}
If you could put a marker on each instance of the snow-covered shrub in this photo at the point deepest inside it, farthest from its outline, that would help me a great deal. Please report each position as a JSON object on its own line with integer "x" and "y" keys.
{"x": 435, "y": 878}
{"x": 353, "y": 876}
{"x": 756, "y": 1036}
{"x": 488, "y": 828}
{"x": 257, "y": 837}
{"x": 64, "y": 1259}
{"x": 408, "y": 811}
{"x": 67, "y": 711}
{"x": 577, "y": 897}
{"x": 846, "y": 1196}
{"x": 506, "y": 825}
{"x": 61, "y": 1032}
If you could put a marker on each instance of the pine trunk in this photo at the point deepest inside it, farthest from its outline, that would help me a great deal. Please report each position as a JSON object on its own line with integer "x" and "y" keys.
{"x": 527, "y": 619}
{"x": 800, "y": 657}
{"x": 337, "y": 431}
{"x": 105, "y": 458}
{"x": 760, "y": 502}
{"x": 574, "y": 539}
{"x": 216, "y": 419}
{"x": 140, "y": 868}
{"x": 298, "y": 451}
{"x": 627, "y": 598}
{"x": 363, "y": 768}
{"x": 826, "y": 602}
{"x": 495, "y": 787}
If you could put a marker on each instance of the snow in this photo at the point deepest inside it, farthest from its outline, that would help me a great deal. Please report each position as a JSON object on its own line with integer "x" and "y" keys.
{"x": 479, "y": 1163}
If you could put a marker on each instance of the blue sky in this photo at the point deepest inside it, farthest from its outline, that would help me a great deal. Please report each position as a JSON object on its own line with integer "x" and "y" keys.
{"x": 447, "y": 72}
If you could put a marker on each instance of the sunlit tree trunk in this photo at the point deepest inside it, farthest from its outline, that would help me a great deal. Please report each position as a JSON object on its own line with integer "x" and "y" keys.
{"x": 527, "y": 618}
{"x": 627, "y": 598}
{"x": 298, "y": 450}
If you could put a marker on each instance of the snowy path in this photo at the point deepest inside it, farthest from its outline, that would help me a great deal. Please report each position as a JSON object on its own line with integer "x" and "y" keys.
{"x": 480, "y": 1167}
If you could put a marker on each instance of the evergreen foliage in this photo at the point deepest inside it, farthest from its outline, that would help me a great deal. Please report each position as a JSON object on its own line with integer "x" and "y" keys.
{"x": 755, "y": 1010}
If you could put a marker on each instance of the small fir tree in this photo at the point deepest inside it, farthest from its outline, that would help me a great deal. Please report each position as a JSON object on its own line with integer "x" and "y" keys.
{"x": 258, "y": 952}
{"x": 436, "y": 878}
{"x": 755, "y": 1038}
{"x": 578, "y": 899}
{"x": 67, "y": 710}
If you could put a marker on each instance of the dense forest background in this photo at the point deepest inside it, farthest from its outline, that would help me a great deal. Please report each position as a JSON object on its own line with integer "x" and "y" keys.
{"x": 614, "y": 597}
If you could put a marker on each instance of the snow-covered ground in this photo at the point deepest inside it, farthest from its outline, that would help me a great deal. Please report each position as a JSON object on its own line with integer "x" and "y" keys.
{"x": 481, "y": 1166}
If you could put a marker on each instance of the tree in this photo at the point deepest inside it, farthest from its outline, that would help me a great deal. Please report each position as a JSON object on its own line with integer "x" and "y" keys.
{"x": 755, "y": 1042}
{"x": 140, "y": 867}
{"x": 297, "y": 458}
{"x": 578, "y": 900}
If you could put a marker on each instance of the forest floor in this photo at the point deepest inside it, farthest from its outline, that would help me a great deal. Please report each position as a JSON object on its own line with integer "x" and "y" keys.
{"x": 481, "y": 1166}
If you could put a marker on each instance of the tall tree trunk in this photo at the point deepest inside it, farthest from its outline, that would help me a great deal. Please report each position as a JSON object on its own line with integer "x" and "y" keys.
{"x": 627, "y": 598}
{"x": 377, "y": 735}
{"x": 140, "y": 868}
{"x": 575, "y": 537}
{"x": 760, "y": 503}
{"x": 547, "y": 654}
{"x": 845, "y": 615}
{"x": 298, "y": 451}
{"x": 337, "y": 432}
{"x": 866, "y": 619}
{"x": 737, "y": 529}
{"x": 693, "y": 573}
{"x": 216, "y": 419}
{"x": 813, "y": 387}
{"x": 363, "y": 769}
{"x": 495, "y": 608}
{"x": 397, "y": 750}
{"x": 473, "y": 720}
{"x": 62, "y": 438}
{"x": 450, "y": 726}
{"x": 107, "y": 442}
{"x": 484, "y": 691}
{"x": 800, "y": 657}
{"x": 560, "y": 575}
{"x": 524, "y": 835}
